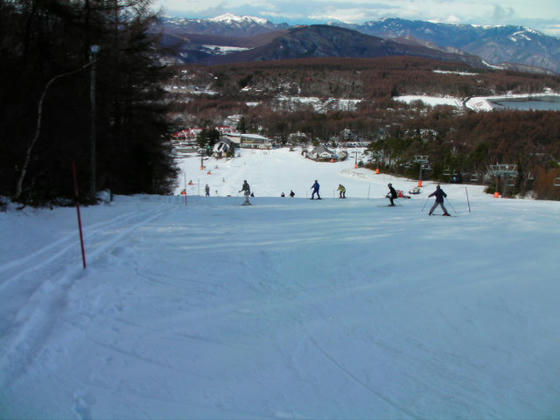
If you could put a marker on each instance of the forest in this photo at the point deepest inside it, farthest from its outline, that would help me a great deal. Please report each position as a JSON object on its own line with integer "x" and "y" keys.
{"x": 81, "y": 84}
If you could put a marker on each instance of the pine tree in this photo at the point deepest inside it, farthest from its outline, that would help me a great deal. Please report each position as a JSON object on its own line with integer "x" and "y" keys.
{"x": 41, "y": 40}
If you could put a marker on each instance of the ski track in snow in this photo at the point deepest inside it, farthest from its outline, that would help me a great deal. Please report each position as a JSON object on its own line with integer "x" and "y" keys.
{"x": 357, "y": 380}
{"x": 37, "y": 312}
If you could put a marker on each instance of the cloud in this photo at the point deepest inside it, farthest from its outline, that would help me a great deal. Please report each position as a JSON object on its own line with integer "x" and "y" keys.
{"x": 536, "y": 14}
{"x": 453, "y": 20}
{"x": 502, "y": 14}
{"x": 553, "y": 30}
{"x": 347, "y": 15}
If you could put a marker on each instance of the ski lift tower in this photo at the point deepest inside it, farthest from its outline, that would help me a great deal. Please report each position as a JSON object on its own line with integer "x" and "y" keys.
{"x": 507, "y": 171}
{"x": 424, "y": 163}
{"x": 202, "y": 152}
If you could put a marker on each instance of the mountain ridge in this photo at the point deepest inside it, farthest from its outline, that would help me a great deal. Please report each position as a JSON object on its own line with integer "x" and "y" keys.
{"x": 507, "y": 46}
{"x": 329, "y": 41}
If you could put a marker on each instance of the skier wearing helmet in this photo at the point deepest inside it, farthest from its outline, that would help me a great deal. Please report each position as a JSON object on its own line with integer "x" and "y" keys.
{"x": 392, "y": 194}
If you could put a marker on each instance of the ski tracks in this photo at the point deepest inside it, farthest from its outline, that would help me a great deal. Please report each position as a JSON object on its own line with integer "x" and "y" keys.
{"x": 302, "y": 320}
{"x": 32, "y": 316}
{"x": 360, "y": 382}
{"x": 68, "y": 243}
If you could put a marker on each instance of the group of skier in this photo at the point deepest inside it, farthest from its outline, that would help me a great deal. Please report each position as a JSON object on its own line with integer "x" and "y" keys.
{"x": 439, "y": 194}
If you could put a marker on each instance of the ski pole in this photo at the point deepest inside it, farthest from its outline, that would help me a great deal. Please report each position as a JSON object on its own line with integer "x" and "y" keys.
{"x": 425, "y": 202}
{"x": 449, "y": 202}
{"x": 468, "y": 202}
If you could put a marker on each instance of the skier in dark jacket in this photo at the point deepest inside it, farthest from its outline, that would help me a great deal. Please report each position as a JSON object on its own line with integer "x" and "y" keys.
{"x": 392, "y": 194}
{"x": 438, "y": 194}
{"x": 315, "y": 188}
{"x": 246, "y": 191}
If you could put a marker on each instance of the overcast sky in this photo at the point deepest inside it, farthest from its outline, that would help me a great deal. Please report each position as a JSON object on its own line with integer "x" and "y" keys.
{"x": 543, "y": 15}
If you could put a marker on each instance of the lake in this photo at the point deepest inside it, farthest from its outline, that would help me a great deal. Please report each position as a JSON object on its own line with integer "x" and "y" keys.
{"x": 536, "y": 103}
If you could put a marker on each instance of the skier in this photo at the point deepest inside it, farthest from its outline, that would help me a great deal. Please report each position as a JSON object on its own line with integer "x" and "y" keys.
{"x": 341, "y": 191}
{"x": 247, "y": 192}
{"x": 392, "y": 194}
{"x": 207, "y": 189}
{"x": 292, "y": 194}
{"x": 401, "y": 194}
{"x": 315, "y": 188}
{"x": 438, "y": 194}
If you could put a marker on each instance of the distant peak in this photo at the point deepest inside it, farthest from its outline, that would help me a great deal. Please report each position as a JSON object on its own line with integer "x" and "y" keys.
{"x": 230, "y": 17}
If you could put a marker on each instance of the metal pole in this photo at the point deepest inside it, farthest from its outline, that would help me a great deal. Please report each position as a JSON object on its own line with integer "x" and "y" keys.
{"x": 185, "y": 175}
{"x": 468, "y": 202}
{"x": 76, "y": 194}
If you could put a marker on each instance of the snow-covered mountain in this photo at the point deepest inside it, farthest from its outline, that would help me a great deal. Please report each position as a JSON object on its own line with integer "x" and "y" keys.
{"x": 229, "y": 25}
{"x": 303, "y": 42}
{"x": 495, "y": 44}
{"x": 232, "y": 19}
{"x": 515, "y": 47}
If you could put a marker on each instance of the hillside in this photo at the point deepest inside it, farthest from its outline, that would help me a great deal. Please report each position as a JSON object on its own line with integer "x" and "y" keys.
{"x": 288, "y": 308}
{"x": 327, "y": 41}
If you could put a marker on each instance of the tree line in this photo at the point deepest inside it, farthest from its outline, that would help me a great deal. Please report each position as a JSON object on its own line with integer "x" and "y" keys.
{"x": 81, "y": 82}
{"x": 369, "y": 79}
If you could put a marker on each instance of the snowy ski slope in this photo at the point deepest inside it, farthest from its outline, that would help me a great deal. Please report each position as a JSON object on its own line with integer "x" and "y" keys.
{"x": 289, "y": 308}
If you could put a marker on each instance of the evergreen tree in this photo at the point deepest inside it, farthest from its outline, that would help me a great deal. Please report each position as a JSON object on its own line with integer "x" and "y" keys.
{"x": 207, "y": 138}
{"x": 45, "y": 77}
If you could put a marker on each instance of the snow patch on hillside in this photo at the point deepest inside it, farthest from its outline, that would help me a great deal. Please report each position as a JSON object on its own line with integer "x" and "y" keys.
{"x": 224, "y": 49}
{"x": 459, "y": 73}
{"x": 320, "y": 105}
{"x": 430, "y": 100}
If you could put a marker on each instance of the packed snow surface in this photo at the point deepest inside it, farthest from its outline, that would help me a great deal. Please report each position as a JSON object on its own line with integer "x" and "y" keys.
{"x": 289, "y": 308}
